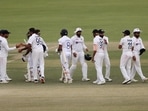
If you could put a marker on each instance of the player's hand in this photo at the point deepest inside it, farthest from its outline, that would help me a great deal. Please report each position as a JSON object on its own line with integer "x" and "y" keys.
{"x": 87, "y": 50}
{"x": 75, "y": 54}
{"x": 105, "y": 41}
{"x": 56, "y": 50}
{"x": 93, "y": 59}
{"x": 134, "y": 58}
{"x": 20, "y": 50}
{"x": 19, "y": 45}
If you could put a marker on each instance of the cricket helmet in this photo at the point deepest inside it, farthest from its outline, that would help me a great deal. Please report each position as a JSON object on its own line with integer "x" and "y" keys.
{"x": 64, "y": 32}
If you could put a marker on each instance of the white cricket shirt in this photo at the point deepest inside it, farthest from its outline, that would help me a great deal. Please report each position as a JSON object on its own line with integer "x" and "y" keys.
{"x": 78, "y": 44}
{"x": 4, "y": 48}
{"x": 35, "y": 42}
{"x": 43, "y": 43}
{"x": 99, "y": 42}
{"x": 66, "y": 43}
{"x": 105, "y": 45}
{"x": 126, "y": 43}
{"x": 138, "y": 44}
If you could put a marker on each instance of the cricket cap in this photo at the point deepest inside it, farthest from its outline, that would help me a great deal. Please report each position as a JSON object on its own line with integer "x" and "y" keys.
{"x": 78, "y": 30}
{"x": 136, "y": 30}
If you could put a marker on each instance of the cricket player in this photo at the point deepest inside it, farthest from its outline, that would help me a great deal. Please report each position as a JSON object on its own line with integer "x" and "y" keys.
{"x": 98, "y": 56}
{"x": 45, "y": 47}
{"x": 28, "y": 58}
{"x": 138, "y": 45}
{"x": 4, "y": 48}
{"x": 64, "y": 49}
{"x": 78, "y": 47}
{"x": 106, "y": 56}
{"x": 40, "y": 67}
{"x": 34, "y": 43}
{"x": 126, "y": 44}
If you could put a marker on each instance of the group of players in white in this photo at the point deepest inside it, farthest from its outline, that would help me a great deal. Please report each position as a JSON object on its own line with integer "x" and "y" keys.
{"x": 36, "y": 50}
{"x": 132, "y": 48}
{"x": 71, "y": 51}
{"x": 74, "y": 48}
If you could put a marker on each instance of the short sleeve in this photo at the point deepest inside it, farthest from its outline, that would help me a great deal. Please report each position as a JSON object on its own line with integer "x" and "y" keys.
{"x": 121, "y": 41}
{"x": 60, "y": 41}
{"x": 30, "y": 41}
{"x": 94, "y": 41}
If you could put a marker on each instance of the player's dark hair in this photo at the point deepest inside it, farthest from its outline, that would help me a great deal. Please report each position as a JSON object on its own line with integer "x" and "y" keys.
{"x": 32, "y": 30}
{"x": 4, "y": 32}
{"x": 37, "y": 31}
{"x": 126, "y": 32}
{"x": 95, "y": 31}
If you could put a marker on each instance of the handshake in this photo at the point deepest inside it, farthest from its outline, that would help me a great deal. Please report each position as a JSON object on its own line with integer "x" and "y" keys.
{"x": 20, "y": 45}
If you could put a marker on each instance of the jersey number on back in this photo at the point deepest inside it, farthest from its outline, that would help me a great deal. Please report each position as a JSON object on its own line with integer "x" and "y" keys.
{"x": 129, "y": 44}
{"x": 38, "y": 41}
{"x": 68, "y": 45}
{"x": 101, "y": 44}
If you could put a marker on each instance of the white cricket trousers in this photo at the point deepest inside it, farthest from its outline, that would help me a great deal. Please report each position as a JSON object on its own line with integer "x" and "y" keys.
{"x": 80, "y": 58}
{"x": 107, "y": 65}
{"x": 38, "y": 60}
{"x": 136, "y": 66}
{"x": 65, "y": 64}
{"x": 3, "y": 67}
{"x": 125, "y": 64}
{"x": 99, "y": 57}
{"x": 30, "y": 67}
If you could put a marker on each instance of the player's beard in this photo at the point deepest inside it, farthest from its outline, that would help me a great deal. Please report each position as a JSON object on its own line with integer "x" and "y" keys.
{"x": 79, "y": 35}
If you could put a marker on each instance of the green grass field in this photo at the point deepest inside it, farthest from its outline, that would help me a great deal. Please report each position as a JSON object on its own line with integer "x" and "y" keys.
{"x": 51, "y": 16}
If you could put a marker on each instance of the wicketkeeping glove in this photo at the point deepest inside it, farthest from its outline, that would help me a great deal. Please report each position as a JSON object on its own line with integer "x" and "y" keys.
{"x": 141, "y": 51}
{"x": 87, "y": 57}
{"x": 44, "y": 47}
